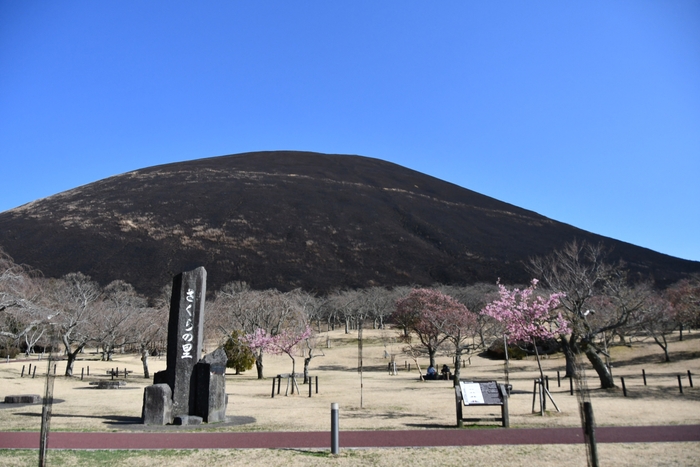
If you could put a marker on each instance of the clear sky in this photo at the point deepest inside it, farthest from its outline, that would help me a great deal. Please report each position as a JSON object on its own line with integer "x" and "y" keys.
{"x": 585, "y": 112}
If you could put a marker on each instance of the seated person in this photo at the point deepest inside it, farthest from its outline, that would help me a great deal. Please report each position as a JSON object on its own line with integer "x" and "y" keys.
{"x": 432, "y": 373}
{"x": 445, "y": 372}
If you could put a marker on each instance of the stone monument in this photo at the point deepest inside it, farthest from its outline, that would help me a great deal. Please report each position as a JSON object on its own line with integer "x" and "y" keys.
{"x": 190, "y": 390}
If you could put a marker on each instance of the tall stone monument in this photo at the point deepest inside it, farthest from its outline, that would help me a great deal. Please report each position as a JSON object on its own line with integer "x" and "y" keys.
{"x": 185, "y": 337}
{"x": 191, "y": 389}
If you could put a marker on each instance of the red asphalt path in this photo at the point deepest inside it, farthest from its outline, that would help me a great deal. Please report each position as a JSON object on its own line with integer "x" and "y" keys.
{"x": 348, "y": 439}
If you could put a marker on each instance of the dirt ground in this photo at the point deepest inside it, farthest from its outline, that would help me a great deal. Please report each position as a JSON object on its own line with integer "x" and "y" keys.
{"x": 381, "y": 401}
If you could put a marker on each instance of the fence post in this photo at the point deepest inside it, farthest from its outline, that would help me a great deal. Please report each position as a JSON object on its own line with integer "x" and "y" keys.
{"x": 571, "y": 386}
{"x": 316, "y": 384}
{"x": 690, "y": 379}
{"x": 273, "y": 387}
{"x": 624, "y": 388}
{"x": 644, "y": 376}
{"x": 558, "y": 380}
{"x": 680, "y": 385}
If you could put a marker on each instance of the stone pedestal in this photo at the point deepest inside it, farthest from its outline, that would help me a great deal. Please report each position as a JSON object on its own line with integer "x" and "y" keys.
{"x": 210, "y": 392}
{"x": 157, "y": 405}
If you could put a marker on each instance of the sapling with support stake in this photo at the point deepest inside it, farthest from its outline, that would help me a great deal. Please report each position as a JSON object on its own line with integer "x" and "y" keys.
{"x": 528, "y": 317}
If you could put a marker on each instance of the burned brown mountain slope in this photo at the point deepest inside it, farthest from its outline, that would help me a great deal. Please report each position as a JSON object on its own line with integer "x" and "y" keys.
{"x": 292, "y": 219}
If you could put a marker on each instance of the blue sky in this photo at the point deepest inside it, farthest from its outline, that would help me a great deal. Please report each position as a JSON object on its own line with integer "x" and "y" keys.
{"x": 585, "y": 112}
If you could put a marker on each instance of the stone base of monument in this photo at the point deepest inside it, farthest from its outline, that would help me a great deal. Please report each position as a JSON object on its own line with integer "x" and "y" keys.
{"x": 23, "y": 399}
{"x": 157, "y": 405}
{"x": 210, "y": 390}
{"x": 108, "y": 384}
{"x": 187, "y": 420}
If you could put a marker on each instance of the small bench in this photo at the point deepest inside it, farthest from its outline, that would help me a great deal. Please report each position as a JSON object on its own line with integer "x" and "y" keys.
{"x": 117, "y": 372}
{"x": 23, "y": 399}
{"x": 108, "y": 384}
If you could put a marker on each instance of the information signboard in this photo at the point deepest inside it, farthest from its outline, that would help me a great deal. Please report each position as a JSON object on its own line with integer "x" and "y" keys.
{"x": 481, "y": 393}
{"x": 476, "y": 393}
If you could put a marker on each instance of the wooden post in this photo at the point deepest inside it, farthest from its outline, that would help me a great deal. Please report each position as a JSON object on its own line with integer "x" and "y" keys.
{"x": 624, "y": 388}
{"x": 279, "y": 383}
{"x": 680, "y": 385}
{"x": 30, "y": 369}
{"x": 273, "y": 388}
{"x": 310, "y": 384}
{"x": 644, "y": 376}
{"x": 458, "y": 402}
{"x": 504, "y": 408}
{"x": 571, "y": 386}
{"x": 82, "y": 373}
{"x": 34, "y": 373}
{"x": 22, "y": 375}
{"x": 589, "y": 429}
{"x": 54, "y": 368}
{"x": 316, "y": 384}
{"x": 558, "y": 380}
{"x": 690, "y": 379}
{"x": 88, "y": 370}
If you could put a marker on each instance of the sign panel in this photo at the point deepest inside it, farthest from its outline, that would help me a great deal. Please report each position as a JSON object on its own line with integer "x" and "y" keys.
{"x": 471, "y": 393}
{"x": 480, "y": 393}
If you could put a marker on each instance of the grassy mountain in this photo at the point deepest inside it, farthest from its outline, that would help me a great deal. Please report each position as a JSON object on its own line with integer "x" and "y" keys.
{"x": 292, "y": 219}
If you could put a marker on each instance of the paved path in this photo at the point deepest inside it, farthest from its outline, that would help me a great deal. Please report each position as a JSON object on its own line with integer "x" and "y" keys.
{"x": 348, "y": 439}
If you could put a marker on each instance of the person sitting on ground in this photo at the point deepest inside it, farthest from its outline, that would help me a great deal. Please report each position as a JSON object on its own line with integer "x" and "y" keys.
{"x": 432, "y": 373}
{"x": 445, "y": 372}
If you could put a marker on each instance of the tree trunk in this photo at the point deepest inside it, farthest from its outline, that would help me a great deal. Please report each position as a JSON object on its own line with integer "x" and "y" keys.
{"x": 458, "y": 365}
{"x": 567, "y": 347}
{"x": 294, "y": 380}
{"x": 144, "y": 360}
{"x": 539, "y": 366}
{"x": 259, "y": 365}
{"x": 307, "y": 360}
{"x": 664, "y": 346}
{"x": 606, "y": 379}
{"x": 72, "y": 356}
{"x": 431, "y": 356}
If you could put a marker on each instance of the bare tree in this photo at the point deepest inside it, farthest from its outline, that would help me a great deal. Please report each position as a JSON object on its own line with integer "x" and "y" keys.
{"x": 115, "y": 316}
{"x": 657, "y": 320}
{"x": 22, "y": 316}
{"x": 580, "y": 271}
{"x": 73, "y": 298}
{"x": 685, "y": 297}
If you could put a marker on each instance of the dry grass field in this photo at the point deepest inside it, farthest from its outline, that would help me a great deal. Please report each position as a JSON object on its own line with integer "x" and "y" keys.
{"x": 385, "y": 402}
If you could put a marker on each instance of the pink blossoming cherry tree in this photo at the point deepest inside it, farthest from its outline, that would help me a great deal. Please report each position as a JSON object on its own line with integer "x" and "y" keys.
{"x": 528, "y": 317}
{"x": 282, "y": 343}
